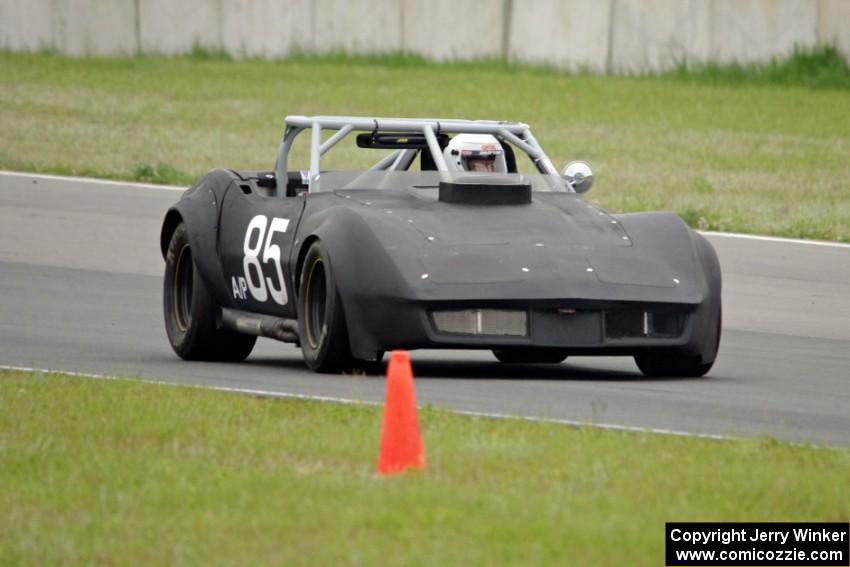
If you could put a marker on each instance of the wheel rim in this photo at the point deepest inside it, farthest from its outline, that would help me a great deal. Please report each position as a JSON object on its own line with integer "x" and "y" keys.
{"x": 183, "y": 285}
{"x": 315, "y": 304}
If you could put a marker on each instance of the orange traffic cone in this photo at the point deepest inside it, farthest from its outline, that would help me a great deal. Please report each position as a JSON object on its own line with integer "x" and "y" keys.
{"x": 401, "y": 443}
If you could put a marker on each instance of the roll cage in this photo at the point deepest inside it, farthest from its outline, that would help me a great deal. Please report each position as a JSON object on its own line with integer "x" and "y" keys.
{"x": 517, "y": 134}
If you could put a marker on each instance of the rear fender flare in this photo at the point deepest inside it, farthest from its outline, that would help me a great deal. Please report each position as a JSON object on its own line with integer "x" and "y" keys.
{"x": 199, "y": 208}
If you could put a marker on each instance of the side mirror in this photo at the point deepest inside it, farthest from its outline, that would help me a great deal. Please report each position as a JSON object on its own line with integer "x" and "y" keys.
{"x": 579, "y": 175}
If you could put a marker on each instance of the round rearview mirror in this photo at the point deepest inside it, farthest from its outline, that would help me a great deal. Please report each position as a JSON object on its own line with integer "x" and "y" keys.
{"x": 579, "y": 175}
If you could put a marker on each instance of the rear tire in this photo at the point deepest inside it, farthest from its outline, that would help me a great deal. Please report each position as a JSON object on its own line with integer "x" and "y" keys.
{"x": 321, "y": 321}
{"x": 530, "y": 355}
{"x": 190, "y": 311}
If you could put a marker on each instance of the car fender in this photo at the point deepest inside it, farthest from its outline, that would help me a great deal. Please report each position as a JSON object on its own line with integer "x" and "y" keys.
{"x": 368, "y": 279}
{"x": 709, "y": 314}
{"x": 665, "y": 235}
{"x": 199, "y": 209}
{"x": 695, "y": 257}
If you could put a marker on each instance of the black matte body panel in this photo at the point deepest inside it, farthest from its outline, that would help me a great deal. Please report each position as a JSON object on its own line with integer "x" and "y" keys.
{"x": 399, "y": 253}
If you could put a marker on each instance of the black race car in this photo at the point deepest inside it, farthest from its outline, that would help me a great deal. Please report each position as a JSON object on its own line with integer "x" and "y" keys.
{"x": 441, "y": 244}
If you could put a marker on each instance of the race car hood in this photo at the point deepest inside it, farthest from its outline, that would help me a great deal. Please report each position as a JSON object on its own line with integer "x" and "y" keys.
{"x": 556, "y": 247}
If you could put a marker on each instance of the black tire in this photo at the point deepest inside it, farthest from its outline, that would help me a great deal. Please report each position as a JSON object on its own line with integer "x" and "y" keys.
{"x": 666, "y": 364}
{"x": 321, "y": 321}
{"x": 671, "y": 363}
{"x": 530, "y": 355}
{"x": 190, "y": 311}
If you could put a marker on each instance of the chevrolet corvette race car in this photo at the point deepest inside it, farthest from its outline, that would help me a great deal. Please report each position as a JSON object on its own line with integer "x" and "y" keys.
{"x": 440, "y": 244}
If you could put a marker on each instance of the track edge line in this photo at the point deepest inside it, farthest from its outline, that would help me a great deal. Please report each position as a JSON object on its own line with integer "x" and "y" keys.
{"x": 91, "y": 180}
{"x": 335, "y": 400}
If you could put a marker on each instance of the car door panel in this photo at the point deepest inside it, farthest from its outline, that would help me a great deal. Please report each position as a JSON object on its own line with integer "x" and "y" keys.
{"x": 256, "y": 235}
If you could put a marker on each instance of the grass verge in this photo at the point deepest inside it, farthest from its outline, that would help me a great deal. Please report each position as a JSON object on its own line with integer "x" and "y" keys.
{"x": 821, "y": 68}
{"x": 750, "y": 149}
{"x": 121, "y": 472}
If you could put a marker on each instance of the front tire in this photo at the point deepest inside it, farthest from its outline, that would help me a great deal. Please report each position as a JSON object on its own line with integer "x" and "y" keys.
{"x": 668, "y": 364}
{"x": 321, "y": 321}
{"x": 190, "y": 311}
{"x": 530, "y": 355}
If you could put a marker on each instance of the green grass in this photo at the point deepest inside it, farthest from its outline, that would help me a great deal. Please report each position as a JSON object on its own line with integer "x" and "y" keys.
{"x": 822, "y": 68}
{"x": 819, "y": 68}
{"x": 159, "y": 173}
{"x": 760, "y": 149}
{"x": 126, "y": 473}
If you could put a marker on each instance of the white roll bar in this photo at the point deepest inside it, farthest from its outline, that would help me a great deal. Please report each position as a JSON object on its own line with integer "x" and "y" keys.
{"x": 516, "y": 133}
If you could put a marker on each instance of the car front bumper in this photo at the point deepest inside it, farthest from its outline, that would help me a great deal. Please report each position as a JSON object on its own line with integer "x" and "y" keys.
{"x": 597, "y": 328}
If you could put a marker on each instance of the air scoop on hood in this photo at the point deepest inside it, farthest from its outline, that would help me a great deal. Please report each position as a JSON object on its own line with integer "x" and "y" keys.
{"x": 486, "y": 190}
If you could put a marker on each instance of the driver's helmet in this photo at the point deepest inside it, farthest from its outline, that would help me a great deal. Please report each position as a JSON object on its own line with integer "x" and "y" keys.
{"x": 475, "y": 152}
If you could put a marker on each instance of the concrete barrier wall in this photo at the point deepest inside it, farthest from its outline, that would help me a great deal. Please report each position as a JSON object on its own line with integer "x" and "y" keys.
{"x": 263, "y": 28}
{"x": 166, "y": 26}
{"x": 661, "y": 33}
{"x": 26, "y": 25}
{"x": 570, "y": 34}
{"x": 452, "y": 29}
{"x": 600, "y": 35}
{"x": 97, "y": 27}
{"x": 756, "y": 29}
{"x": 834, "y": 25}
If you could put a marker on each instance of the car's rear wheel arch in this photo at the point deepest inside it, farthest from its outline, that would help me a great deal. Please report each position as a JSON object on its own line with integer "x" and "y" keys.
{"x": 172, "y": 220}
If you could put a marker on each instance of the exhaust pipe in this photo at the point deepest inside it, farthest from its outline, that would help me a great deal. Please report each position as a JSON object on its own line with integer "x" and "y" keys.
{"x": 277, "y": 328}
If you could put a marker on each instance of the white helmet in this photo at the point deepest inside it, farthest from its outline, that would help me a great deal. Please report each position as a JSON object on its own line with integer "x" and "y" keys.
{"x": 475, "y": 152}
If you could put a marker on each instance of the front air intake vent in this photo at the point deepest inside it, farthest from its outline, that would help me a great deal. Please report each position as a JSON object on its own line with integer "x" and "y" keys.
{"x": 636, "y": 323}
{"x": 621, "y": 324}
{"x": 485, "y": 322}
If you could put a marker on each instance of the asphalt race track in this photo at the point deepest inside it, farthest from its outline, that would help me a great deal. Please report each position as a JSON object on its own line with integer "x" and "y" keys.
{"x": 80, "y": 278}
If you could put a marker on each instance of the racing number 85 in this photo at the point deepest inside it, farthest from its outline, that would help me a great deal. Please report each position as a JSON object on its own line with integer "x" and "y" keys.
{"x": 262, "y": 287}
